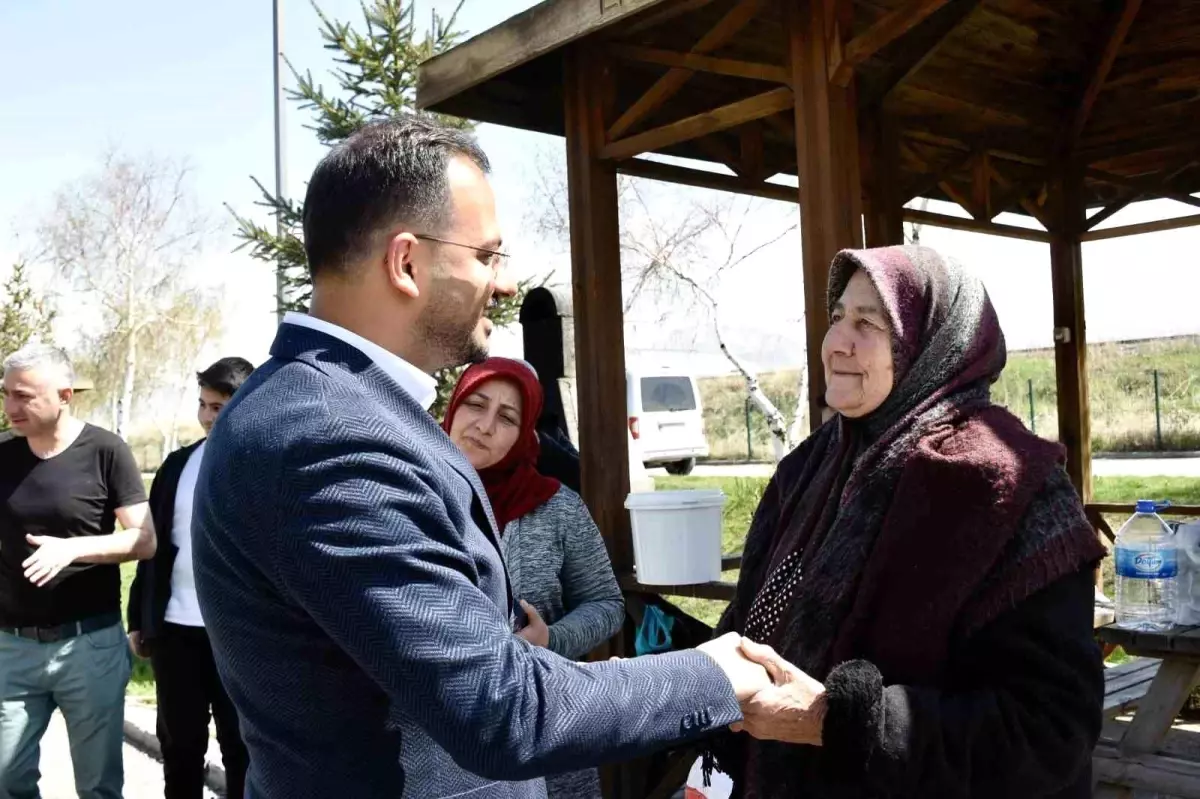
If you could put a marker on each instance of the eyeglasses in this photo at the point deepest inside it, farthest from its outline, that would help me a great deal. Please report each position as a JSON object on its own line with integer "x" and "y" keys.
{"x": 495, "y": 259}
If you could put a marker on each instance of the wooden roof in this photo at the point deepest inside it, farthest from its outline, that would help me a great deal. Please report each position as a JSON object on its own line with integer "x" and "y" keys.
{"x": 983, "y": 94}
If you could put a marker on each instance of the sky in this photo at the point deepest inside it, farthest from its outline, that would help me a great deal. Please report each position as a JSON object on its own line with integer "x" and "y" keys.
{"x": 193, "y": 82}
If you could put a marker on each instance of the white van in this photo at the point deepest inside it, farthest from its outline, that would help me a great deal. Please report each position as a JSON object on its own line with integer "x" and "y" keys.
{"x": 665, "y": 418}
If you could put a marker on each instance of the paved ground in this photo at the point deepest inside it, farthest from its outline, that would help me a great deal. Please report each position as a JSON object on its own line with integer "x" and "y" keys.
{"x": 143, "y": 774}
{"x": 1101, "y": 467}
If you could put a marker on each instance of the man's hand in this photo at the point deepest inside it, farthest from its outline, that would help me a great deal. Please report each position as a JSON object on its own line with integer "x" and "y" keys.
{"x": 536, "y": 632}
{"x": 748, "y": 678}
{"x": 52, "y": 556}
{"x": 138, "y": 645}
{"x": 792, "y": 710}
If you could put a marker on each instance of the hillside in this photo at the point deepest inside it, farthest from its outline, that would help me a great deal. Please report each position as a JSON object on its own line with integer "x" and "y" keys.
{"x": 1121, "y": 376}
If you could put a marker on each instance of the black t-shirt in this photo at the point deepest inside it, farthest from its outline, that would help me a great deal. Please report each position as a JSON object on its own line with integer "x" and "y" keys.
{"x": 75, "y": 493}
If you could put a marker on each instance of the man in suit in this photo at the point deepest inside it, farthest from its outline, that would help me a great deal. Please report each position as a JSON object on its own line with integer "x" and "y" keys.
{"x": 346, "y": 556}
{"x": 165, "y": 623}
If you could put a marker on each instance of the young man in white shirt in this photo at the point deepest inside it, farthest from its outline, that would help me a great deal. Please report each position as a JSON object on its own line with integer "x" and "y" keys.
{"x": 165, "y": 622}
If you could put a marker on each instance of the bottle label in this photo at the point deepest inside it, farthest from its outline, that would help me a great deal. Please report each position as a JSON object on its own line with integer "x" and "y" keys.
{"x": 1147, "y": 564}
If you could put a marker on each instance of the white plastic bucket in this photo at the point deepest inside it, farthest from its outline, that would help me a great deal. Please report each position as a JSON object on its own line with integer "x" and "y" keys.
{"x": 676, "y": 536}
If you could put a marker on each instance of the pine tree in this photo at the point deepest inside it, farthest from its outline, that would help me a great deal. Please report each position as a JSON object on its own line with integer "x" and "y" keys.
{"x": 24, "y": 317}
{"x": 376, "y": 79}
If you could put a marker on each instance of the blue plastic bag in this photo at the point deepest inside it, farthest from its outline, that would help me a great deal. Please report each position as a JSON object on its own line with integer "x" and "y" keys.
{"x": 654, "y": 633}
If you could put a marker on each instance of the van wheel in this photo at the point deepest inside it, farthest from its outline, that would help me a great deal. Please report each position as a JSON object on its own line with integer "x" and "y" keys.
{"x": 680, "y": 468}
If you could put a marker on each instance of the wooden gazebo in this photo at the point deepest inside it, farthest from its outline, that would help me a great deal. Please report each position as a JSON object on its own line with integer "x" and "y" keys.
{"x": 1063, "y": 111}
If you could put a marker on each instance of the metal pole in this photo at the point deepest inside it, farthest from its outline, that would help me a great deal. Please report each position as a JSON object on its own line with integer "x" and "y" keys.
{"x": 749, "y": 440}
{"x": 280, "y": 178}
{"x": 1032, "y": 415}
{"x": 1157, "y": 414}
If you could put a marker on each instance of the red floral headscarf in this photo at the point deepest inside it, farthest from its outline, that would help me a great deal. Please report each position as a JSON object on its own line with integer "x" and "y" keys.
{"x": 514, "y": 485}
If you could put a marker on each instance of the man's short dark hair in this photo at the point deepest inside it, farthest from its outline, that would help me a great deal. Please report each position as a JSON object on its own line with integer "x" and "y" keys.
{"x": 225, "y": 376}
{"x": 387, "y": 172}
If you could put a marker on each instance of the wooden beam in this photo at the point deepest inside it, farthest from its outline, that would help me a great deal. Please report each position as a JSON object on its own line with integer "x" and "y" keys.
{"x": 974, "y": 225}
{"x": 719, "y": 152}
{"x": 887, "y": 29}
{"x": 962, "y": 200}
{"x": 1143, "y": 775}
{"x": 1070, "y": 349}
{"x": 830, "y": 190}
{"x": 1130, "y": 507}
{"x": 883, "y": 207}
{"x": 700, "y": 63}
{"x": 1147, "y": 186}
{"x": 752, "y": 161}
{"x": 1134, "y": 193}
{"x": 1143, "y": 227}
{"x": 919, "y": 46}
{"x": 598, "y": 305}
{"x": 951, "y": 143}
{"x": 662, "y": 16}
{"x": 783, "y": 125}
{"x": 1107, "y": 212}
{"x": 693, "y": 127}
{"x": 539, "y": 30}
{"x": 666, "y": 86}
{"x": 681, "y": 175}
{"x": 981, "y": 186}
{"x": 1104, "y": 63}
{"x": 1017, "y": 193}
{"x": 718, "y": 590}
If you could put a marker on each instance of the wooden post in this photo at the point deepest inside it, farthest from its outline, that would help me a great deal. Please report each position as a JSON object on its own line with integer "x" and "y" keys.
{"x": 1070, "y": 333}
{"x": 883, "y": 212}
{"x": 827, "y": 160}
{"x": 599, "y": 335}
{"x": 599, "y": 309}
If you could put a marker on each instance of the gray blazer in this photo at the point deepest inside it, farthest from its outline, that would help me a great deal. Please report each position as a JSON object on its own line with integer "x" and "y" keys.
{"x": 350, "y": 574}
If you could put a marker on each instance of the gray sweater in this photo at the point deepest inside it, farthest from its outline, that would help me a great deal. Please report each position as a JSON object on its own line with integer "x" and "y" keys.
{"x": 557, "y": 562}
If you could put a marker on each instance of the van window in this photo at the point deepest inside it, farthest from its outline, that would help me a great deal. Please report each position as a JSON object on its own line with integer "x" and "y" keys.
{"x": 660, "y": 394}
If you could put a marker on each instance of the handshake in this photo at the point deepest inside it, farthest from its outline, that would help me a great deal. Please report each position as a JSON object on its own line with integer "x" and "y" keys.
{"x": 779, "y": 701}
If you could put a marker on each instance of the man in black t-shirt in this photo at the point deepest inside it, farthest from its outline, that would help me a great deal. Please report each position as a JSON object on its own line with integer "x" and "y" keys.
{"x": 63, "y": 486}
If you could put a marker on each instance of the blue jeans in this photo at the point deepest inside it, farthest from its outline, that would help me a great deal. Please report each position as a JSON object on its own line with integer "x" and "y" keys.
{"x": 85, "y": 678}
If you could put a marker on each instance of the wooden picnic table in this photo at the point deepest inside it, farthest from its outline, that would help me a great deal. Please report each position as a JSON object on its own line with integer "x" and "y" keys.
{"x": 1143, "y": 759}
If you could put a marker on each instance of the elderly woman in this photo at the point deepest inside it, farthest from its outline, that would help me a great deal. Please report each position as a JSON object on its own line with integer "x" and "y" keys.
{"x": 556, "y": 558}
{"x": 918, "y": 575}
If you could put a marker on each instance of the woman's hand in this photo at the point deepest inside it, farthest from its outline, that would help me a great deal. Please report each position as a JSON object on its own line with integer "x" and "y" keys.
{"x": 792, "y": 710}
{"x": 536, "y": 632}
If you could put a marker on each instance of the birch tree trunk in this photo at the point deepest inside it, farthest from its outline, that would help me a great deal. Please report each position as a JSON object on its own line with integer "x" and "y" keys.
{"x": 125, "y": 404}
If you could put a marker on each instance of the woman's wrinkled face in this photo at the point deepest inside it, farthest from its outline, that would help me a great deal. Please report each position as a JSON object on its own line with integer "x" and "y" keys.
{"x": 487, "y": 423}
{"x": 857, "y": 351}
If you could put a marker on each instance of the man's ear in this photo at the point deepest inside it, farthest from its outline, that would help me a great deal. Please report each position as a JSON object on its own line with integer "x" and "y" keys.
{"x": 399, "y": 264}
{"x": 65, "y": 395}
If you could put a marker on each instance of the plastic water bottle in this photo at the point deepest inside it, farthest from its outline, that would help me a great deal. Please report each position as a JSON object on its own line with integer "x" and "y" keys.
{"x": 1147, "y": 568}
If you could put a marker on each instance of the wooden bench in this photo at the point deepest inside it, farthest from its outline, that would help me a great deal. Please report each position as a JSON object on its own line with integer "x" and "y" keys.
{"x": 1126, "y": 684}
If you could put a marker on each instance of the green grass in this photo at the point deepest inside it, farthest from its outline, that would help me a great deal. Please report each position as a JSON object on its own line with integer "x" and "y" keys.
{"x": 1121, "y": 392}
{"x": 743, "y": 495}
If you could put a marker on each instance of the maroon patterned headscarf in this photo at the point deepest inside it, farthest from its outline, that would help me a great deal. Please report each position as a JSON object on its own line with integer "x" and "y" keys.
{"x": 917, "y": 522}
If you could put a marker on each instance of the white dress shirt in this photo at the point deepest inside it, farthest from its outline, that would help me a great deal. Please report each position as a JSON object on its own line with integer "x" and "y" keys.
{"x": 419, "y": 385}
